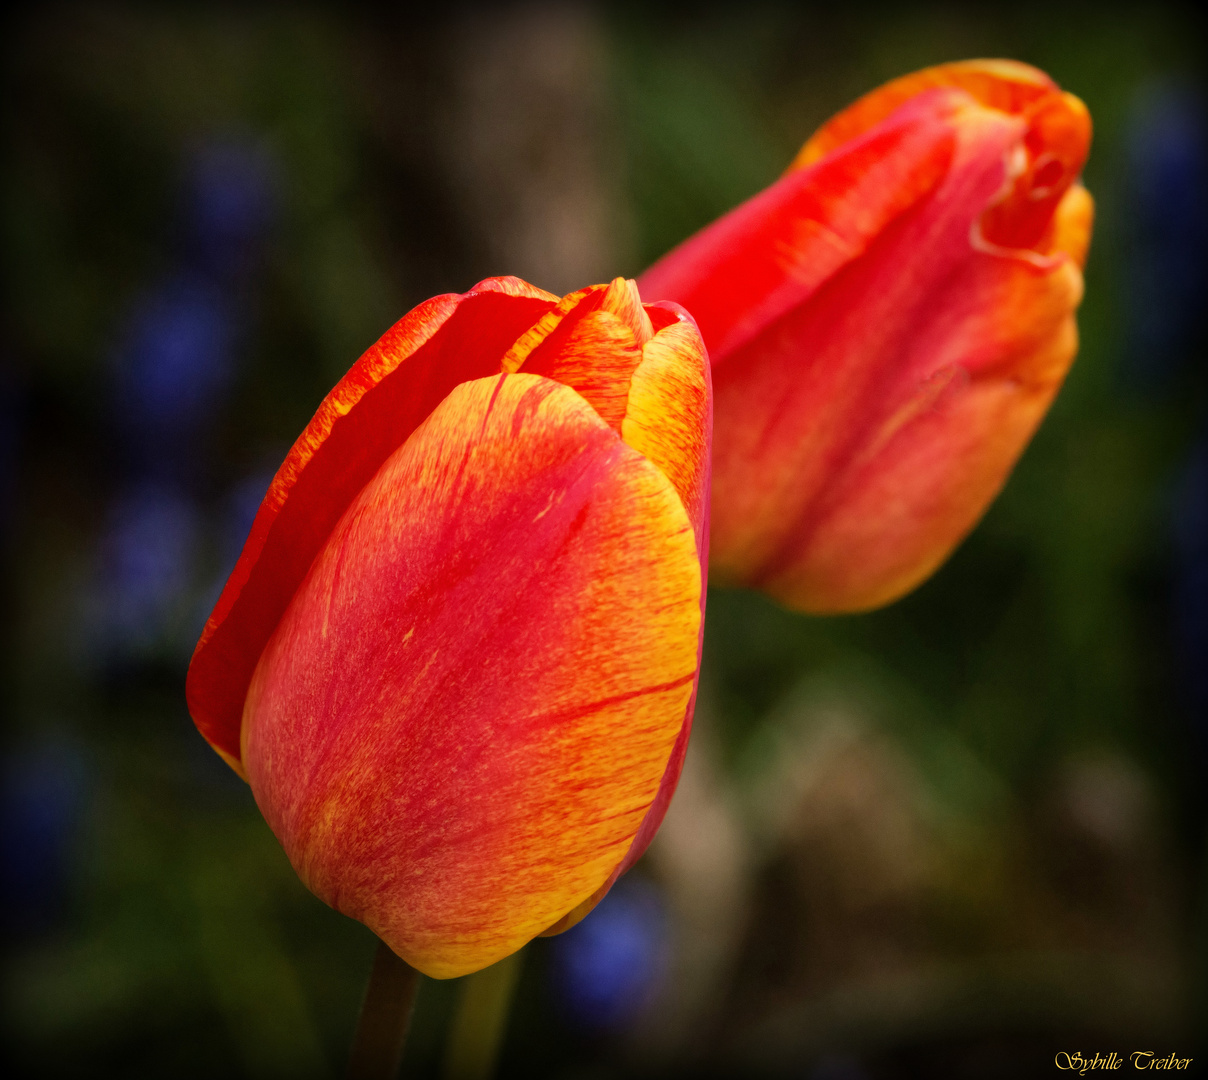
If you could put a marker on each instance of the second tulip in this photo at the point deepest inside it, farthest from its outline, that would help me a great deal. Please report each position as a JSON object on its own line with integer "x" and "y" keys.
{"x": 887, "y": 324}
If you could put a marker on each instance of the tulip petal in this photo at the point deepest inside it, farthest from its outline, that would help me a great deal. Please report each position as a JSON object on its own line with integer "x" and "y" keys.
{"x": 597, "y": 356}
{"x": 1047, "y": 164}
{"x": 772, "y": 253}
{"x": 468, "y": 708}
{"x": 905, "y": 507}
{"x": 932, "y": 381}
{"x": 668, "y": 414}
{"x": 371, "y": 411}
{"x": 591, "y": 342}
{"x": 1071, "y": 229}
{"x": 624, "y": 300}
{"x": 1005, "y": 85}
{"x": 669, "y": 420}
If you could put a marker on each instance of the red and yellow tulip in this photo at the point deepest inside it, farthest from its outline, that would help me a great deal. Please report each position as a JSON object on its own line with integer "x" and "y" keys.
{"x": 888, "y": 324}
{"x": 457, "y": 658}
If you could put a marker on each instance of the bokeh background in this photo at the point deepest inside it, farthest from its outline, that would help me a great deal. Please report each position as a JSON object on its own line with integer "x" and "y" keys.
{"x": 951, "y": 838}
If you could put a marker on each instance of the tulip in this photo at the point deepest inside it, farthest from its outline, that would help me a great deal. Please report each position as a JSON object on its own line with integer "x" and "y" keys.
{"x": 457, "y": 658}
{"x": 887, "y": 325}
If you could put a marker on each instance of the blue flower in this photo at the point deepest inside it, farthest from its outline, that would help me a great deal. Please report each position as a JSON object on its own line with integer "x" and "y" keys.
{"x": 606, "y": 969}
{"x": 148, "y": 565}
{"x": 174, "y": 366}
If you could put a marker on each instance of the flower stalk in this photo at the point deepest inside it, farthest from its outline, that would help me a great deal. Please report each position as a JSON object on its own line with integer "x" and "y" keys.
{"x": 377, "y": 1046}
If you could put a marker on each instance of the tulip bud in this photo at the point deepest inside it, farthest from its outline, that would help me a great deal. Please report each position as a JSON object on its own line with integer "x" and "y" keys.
{"x": 457, "y": 658}
{"x": 887, "y": 324}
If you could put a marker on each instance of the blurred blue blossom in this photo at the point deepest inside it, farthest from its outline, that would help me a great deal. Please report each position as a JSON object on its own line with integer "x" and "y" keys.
{"x": 148, "y": 561}
{"x": 42, "y": 806}
{"x": 176, "y": 355}
{"x": 605, "y": 969}
{"x": 174, "y": 366}
{"x": 1166, "y": 271}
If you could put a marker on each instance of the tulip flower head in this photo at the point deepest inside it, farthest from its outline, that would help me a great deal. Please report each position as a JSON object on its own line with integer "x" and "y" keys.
{"x": 888, "y": 324}
{"x": 457, "y": 658}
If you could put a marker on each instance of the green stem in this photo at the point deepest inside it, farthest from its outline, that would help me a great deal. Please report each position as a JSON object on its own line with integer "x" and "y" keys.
{"x": 377, "y": 1047}
{"x": 481, "y": 1019}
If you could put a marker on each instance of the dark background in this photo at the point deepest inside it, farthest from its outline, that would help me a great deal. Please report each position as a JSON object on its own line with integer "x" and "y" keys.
{"x": 951, "y": 838}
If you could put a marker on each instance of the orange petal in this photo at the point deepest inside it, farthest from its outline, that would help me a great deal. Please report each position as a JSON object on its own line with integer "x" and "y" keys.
{"x": 1070, "y": 232}
{"x": 596, "y": 356}
{"x": 371, "y": 411}
{"x": 669, "y": 416}
{"x": 669, "y": 420}
{"x": 466, "y": 713}
{"x": 592, "y": 342}
{"x": 659, "y": 398}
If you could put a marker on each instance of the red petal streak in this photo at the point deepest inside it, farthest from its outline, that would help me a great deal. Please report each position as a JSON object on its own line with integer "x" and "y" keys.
{"x": 466, "y": 713}
{"x": 371, "y": 411}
